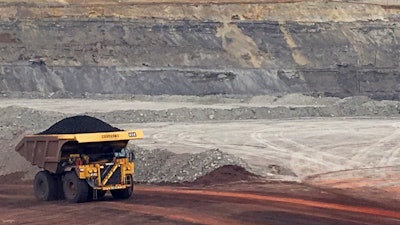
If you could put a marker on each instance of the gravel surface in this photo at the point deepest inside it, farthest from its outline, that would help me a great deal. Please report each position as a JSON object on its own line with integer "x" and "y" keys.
{"x": 163, "y": 166}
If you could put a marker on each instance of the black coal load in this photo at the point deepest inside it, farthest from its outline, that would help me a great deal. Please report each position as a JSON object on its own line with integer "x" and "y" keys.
{"x": 79, "y": 124}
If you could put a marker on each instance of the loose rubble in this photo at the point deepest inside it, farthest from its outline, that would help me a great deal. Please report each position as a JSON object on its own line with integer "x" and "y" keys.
{"x": 162, "y": 166}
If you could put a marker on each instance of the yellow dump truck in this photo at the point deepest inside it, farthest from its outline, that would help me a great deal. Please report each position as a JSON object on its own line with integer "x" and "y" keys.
{"x": 81, "y": 167}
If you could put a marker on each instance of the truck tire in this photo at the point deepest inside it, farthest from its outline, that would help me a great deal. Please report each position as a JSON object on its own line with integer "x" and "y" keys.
{"x": 75, "y": 189}
{"x": 122, "y": 193}
{"x": 59, "y": 190}
{"x": 101, "y": 194}
{"x": 90, "y": 194}
{"x": 45, "y": 186}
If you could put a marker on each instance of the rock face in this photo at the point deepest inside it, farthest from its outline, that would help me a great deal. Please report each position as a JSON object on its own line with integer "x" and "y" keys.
{"x": 344, "y": 49}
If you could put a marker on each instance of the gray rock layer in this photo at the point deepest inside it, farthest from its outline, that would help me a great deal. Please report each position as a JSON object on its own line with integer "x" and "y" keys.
{"x": 201, "y": 57}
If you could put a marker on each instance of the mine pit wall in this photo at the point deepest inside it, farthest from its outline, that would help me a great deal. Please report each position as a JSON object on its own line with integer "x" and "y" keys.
{"x": 184, "y": 57}
{"x": 77, "y": 81}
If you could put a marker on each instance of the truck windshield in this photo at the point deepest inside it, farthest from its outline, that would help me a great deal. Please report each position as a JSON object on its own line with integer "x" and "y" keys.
{"x": 121, "y": 153}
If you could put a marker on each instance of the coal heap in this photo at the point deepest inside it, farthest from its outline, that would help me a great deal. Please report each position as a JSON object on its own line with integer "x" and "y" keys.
{"x": 226, "y": 174}
{"x": 79, "y": 124}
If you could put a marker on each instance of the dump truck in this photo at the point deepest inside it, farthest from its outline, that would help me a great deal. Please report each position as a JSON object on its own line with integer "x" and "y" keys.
{"x": 80, "y": 167}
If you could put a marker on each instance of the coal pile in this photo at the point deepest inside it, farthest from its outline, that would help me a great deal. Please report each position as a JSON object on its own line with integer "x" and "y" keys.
{"x": 226, "y": 174}
{"x": 79, "y": 124}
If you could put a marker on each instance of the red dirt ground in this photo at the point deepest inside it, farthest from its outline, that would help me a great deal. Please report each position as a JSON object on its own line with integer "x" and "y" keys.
{"x": 245, "y": 201}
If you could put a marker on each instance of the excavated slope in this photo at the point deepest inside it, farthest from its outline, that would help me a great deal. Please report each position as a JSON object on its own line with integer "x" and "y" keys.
{"x": 330, "y": 48}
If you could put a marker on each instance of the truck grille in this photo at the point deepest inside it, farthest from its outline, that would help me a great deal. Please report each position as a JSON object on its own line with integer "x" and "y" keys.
{"x": 116, "y": 177}
{"x": 105, "y": 171}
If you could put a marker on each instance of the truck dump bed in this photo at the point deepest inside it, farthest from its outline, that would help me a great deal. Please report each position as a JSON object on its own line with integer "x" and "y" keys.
{"x": 48, "y": 151}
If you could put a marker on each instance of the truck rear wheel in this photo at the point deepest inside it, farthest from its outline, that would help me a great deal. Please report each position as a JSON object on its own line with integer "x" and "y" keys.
{"x": 122, "y": 193}
{"x": 75, "y": 189}
{"x": 44, "y": 186}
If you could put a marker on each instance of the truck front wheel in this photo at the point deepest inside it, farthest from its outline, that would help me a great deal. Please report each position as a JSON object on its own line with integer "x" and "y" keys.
{"x": 45, "y": 186}
{"x": 75, "y": 189}
{"x": 122, "y": 193}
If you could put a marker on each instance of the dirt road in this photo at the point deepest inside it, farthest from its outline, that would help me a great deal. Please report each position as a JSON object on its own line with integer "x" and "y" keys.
{"x": 357, "y": 156}
{"x": 239, "y": 203}
{"x": 305, "y": 146}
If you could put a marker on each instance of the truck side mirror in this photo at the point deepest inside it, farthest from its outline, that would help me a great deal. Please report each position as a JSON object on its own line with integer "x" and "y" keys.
{"x": 131, "y": 156}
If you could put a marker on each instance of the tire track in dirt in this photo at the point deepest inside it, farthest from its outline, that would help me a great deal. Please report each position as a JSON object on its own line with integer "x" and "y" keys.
{"x": 192, "y": 206}
{"x": 383, "y": 182}
{"x": 308, "y": 151}
{"x": 200, "y": 139}
{"x": 273, "y": 144}
{"x": 389, "y": 156}
{"x": 299, "y": 155}
{"x": 3, "y": 196}
{"x": 388, "y": 145}
{"x": 265, "y": 198}
{"x": 200, "y": 218}
{"x": 174, "y": 214}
